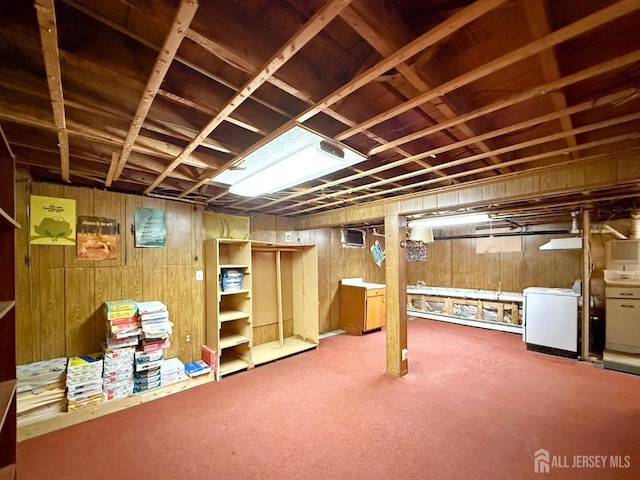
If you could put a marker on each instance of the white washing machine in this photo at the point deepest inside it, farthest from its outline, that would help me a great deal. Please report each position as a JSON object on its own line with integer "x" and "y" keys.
{"x": 551, "y": 320}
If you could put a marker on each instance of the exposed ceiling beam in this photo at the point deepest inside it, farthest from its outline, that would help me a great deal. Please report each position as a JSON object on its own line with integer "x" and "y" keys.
{"x": 315, "y": 24}
{"x": 507, "y": 149}
{"x": 519, "y": 161}
{"x": 181, "y": 21}
{"x": 46, "y": 13}
{"x": 385, "y": 31}
{"x": 539, "y": 26}
{"x": 579, "y": 27}
{"x": 600, "y": 69}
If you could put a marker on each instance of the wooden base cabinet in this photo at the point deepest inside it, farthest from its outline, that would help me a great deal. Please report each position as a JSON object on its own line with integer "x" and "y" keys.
{"x": 623, "y": 319}
{"x": 362, "y": 307}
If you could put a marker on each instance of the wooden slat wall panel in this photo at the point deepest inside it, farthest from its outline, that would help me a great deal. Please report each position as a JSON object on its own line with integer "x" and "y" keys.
{"x": 180, "y": 226}
{"x": 132, "y": 255}
{"x": 61, "y": 299}
{"x": 49, "y": 312}
{"x": 82, "y": 316}
{"x": 27, "y": 343}
{"x": 454, "y": 263}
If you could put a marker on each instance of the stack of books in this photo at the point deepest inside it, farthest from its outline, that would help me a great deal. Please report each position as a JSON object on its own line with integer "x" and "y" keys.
{"x": 155, "y": 326}
{"x": 231, "y": 280}
{"x": 84, "y": 381}
{"x": 118, "y": 373}
{"x": 171, "y": 371}
{"x": 147, "y": 370}
{"x": 123, "y": 325}
{"x": 41, "y": 388}
{"x": 196, "y": 368}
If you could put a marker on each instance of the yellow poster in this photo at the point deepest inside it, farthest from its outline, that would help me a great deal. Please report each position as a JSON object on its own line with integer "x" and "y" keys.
{"x": 52, "y": 221}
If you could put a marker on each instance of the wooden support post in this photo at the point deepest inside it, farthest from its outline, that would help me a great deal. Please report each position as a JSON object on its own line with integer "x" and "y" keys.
{"x": 586, "y": 281}
{"x": 395, "y": 229}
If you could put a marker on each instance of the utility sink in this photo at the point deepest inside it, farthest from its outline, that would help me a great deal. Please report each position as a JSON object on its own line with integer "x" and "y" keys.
{"x": 622, "y": 277}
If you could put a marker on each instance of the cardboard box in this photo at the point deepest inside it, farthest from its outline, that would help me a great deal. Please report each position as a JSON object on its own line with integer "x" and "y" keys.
{"x": 209, "y": 356}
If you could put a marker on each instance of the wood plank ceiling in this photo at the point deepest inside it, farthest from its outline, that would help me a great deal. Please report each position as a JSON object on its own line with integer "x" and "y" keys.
{"x": 158, "y": 97}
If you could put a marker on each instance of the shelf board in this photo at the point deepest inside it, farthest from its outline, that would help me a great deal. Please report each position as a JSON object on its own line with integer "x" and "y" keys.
{"x": 229, "y": 315}
{"x": 270, "y": 351}
{"x": 232, "y": 363}
{"x": 29, "y": 428}
{"x": 7, "y": 392}
{"x": 9, "y": 218}
{"x": 5, "y": 307}
{"x": 235, "y": 292}
{"x": 8, "y": 472}
{"x": 234, "y": 266}
{"x": 232, "y": 340}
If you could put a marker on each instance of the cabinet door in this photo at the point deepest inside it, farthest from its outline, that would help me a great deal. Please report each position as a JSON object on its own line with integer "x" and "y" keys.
{"x": 623, "y": 325}
{"x": 375, "y": 312}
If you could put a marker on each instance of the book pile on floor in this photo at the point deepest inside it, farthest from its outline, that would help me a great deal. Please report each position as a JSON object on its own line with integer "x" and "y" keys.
{"x": 123, "y": 328}
{"x": 118, "y": 373}
{"x": 171, "y": 371}
{"x": 41, "y": 388}
{"x": 123, "y": 324}
{"x": 155, "y": 325}
{"x": 197, "y": 368}
{"x": 84, "y": 381}
{"x": 147, "y": 370}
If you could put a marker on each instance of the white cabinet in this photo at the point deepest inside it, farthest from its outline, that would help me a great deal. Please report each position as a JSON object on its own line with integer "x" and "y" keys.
{"x": 623, "y": 319}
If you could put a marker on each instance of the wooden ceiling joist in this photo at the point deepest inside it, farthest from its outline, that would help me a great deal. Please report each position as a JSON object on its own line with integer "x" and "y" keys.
{"x": 49, "y": 38}
{"x": 579, "y": 27}
{"x": 183, "y": 17}
{"x": 313, "y": 26}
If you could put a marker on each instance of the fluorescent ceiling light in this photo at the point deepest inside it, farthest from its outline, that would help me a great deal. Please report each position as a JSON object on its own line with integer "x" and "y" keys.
{"x": 570, "y": 243}
{"x": 296, "y": 156}
{"x": 450, "y": 220}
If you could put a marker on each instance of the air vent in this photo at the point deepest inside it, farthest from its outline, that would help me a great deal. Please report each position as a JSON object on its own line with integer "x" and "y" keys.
{"x": 331, "y": 149}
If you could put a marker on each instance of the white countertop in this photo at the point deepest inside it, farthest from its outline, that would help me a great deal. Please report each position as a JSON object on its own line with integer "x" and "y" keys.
{"x": 358, "y": 282}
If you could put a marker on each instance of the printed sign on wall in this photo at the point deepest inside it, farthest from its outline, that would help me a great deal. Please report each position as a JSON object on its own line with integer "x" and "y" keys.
{"x": 151, "y": 230}
{"x": 96, "y": 239}
{"x": 52, "y": 221}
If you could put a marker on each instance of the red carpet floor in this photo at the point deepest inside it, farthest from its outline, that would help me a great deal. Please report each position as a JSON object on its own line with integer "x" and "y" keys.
{"x": 475, "y": 405}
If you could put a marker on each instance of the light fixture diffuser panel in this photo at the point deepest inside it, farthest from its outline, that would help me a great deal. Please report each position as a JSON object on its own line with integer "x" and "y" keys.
{"x": 283, "y": 163}
{"x": 290, "y": 142}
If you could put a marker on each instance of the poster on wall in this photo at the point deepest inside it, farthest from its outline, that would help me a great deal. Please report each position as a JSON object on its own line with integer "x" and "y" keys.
{"x": 96, "y": 238}
{"x": 52, "y": 221}
{"x": 151, "y": 230}
{"x": 377, "y": 253}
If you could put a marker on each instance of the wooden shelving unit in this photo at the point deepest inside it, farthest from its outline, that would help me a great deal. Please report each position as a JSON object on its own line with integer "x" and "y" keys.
{"x": 8, "y": 225}
{"x": 285, "y": 300}
{"x": 228, "y": 311}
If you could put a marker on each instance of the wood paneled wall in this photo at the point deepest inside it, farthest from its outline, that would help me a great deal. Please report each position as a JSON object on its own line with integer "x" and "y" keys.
{"x": 60, "y": 298}
{"x": 455, "y": 263}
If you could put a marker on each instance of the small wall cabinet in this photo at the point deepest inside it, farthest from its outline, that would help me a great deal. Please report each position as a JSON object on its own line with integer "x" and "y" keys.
{"x": 362, "y": 307}
{"x": 623, "y": 319}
